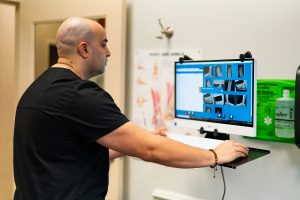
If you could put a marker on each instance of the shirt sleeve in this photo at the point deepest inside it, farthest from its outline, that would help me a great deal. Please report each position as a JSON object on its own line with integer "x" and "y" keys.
{"x": 92, "y": 113}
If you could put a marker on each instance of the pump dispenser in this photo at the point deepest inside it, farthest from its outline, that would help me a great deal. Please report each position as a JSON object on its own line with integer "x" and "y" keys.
{"x": 284, "y": 117}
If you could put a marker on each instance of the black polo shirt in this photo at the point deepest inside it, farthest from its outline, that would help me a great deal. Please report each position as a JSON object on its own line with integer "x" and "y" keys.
{"x": 58, "y": 120}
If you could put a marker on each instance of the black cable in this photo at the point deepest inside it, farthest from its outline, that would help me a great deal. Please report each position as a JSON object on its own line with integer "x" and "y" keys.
{"x": 223, "y": 183}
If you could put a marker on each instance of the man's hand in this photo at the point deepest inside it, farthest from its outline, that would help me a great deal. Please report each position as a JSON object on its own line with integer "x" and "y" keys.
{"x": 230, "y": 150}
{"x": 161, "y": 132}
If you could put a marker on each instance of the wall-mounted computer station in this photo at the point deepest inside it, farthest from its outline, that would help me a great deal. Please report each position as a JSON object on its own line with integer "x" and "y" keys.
{"x": 217, "y": 98}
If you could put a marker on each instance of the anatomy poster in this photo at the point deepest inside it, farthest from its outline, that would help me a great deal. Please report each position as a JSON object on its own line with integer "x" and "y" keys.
{"x": 153, "y": 86}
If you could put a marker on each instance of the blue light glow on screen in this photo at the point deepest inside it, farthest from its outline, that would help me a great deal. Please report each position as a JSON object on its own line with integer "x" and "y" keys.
{"x": 217, "y": 91}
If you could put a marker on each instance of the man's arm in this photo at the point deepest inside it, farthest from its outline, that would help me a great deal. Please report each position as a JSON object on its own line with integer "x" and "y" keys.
{"x": 114, "y": 154}
{"x": 133, "y": 140}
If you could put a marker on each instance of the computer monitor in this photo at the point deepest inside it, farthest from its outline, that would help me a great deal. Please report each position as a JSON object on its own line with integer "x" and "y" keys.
{"x": 216, "y": 95}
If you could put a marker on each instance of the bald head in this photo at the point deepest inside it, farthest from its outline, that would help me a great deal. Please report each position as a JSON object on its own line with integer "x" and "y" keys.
{"x": 73, "y": 31}
{"x": 82, "y": 45}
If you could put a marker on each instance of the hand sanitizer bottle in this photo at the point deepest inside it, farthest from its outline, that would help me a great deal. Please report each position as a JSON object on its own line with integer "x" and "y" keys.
{"x": 284, "y": 117}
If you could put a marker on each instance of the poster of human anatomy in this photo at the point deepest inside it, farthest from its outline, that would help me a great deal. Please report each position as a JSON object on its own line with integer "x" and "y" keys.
{"x": 153, "y": 86}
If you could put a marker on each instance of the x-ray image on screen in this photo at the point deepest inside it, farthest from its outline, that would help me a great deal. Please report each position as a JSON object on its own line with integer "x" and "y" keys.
{"x": 218, "y": 83}
{"x": 218, "y": 99}
{"x": 241, "y": 85}
{"x": 208, "y": 99}
{"x": 229, "y": 85}
{"x": 208, "y": 83}
{"x": 235, "y": 100}
{"x": 208, "y": 109}
{"x": 240, "y": 70}
{"x": 229, "y": 71}
{"x": 207, "y": 71}
{"x": 219, "y": 71}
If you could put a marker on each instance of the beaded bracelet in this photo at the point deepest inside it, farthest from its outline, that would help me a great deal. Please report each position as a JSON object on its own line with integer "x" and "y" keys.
{"x": 216, "y": 157}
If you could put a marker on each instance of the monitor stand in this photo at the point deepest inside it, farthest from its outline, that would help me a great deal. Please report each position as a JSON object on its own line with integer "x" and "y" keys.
{"x": 214, "y": 134}
{"x": 219, "y": 136}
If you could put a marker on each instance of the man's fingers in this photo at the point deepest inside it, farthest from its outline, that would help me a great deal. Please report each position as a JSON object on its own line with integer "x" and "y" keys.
{"x": 161, "y": 132}
{"x": 242, "y": 149}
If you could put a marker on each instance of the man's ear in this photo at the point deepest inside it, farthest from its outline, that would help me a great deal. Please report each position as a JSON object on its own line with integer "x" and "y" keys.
{"x": 83, "y": 49}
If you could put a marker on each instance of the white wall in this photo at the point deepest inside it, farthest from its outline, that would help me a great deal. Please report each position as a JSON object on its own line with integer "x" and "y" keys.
{"x": 270, "y": 29}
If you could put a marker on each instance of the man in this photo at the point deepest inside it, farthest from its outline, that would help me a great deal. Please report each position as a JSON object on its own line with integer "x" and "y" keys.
{"x": 67, "y": 128}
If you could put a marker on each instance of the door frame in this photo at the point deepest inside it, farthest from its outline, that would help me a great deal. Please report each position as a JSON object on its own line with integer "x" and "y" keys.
{"x": 114, "y": 78}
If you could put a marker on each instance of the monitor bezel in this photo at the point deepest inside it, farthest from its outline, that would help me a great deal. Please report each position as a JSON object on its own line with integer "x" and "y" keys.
{"x": 211, "y": 125}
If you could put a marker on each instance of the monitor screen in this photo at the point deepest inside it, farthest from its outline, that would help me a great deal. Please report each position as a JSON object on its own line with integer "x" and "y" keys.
{"x": 216, "y": 94}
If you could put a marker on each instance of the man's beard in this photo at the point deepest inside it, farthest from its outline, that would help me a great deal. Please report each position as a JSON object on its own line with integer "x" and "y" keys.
{"x": 97, "y": 71}
{"x": 101, "y": 69}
